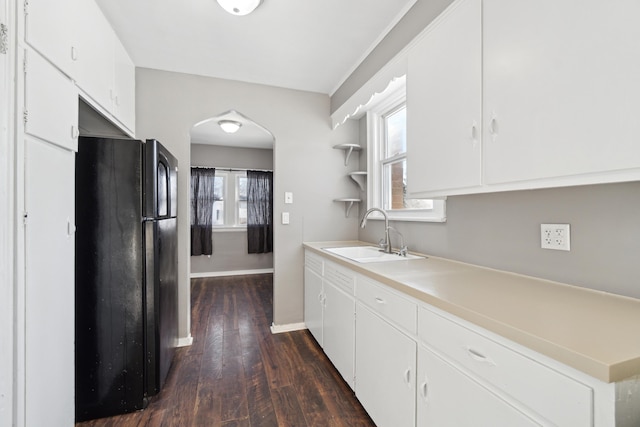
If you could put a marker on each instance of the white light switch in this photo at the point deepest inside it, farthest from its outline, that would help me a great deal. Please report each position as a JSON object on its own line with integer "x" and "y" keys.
{"x": 288, "y": 197}
{"x": 285, "y": 217}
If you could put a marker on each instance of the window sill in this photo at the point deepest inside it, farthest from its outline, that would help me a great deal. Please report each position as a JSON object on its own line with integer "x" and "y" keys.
{"x": 239, "y": 228}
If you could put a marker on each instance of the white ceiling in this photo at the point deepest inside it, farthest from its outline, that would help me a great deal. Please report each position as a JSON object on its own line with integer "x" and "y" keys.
{"x": 310, "y": 45}
{"x": 250, "y": 134}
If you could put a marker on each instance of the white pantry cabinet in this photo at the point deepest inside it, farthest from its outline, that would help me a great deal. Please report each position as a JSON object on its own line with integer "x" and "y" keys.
{"x": 444, "y": 102}
{"x": 51, "y": 103}
{"x": 561, "y": 88}
{"x": 449, "y": 397}
{"x": 49, "y": 284}
{"x": 50, "y": 28}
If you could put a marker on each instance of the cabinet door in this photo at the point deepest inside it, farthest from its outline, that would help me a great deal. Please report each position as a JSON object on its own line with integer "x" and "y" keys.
{"x": 448, "y": 397}
{"x": 385, "y": 370}
{"x": 49, "y": 283}
{"x": 124, "y": 101}
{"x": 313, "y": 303}
{"x": 51, "y": 101}
{"x": 49, "y": 29}
{"x": 95, "y": 55}
{"x": 444, "y": 103}
{"x": 338, "y": 332}
{"x": 561, "y": 88}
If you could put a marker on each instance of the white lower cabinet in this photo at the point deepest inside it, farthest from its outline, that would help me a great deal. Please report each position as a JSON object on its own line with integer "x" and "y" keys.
{"x": 338, "y": 330}
{"x": 416, "y": 365}
{"x": 385, "y": 370}
{"x": 313, "y": 295}
{"x": 329, "y": 311}
{"x": 449, "y": 397}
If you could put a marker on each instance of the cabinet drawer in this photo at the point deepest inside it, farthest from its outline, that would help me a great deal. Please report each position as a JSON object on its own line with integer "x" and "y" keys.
{"x": 390, "y": 305}
{"x": 549, "y": 393}
{"x": 313, "y": 262}
{"x": 341, "y": 277}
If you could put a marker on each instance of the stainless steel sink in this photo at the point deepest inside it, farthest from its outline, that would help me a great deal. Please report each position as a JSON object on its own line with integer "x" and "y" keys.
{"x": 368, "y": 254}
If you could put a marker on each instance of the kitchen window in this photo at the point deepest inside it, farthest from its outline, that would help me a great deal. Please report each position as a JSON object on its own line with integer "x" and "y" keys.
{"x": 387, "y": 163}
{"x": 230, "y": 199}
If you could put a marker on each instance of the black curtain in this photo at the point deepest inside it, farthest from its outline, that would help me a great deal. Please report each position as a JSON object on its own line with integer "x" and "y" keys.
{"x": 259, "y": 212}
{"x": 202, "y": 198}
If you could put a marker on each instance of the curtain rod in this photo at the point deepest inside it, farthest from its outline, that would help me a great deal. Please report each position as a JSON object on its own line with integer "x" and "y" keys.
{"x": 232, "y": 169}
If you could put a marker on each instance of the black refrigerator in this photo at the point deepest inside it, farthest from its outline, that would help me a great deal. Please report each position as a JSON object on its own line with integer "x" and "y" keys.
{"x": 126, "y": 274}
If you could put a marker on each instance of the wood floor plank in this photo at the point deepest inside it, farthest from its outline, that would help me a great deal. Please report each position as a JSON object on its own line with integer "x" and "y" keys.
{"x": 238, "y": 374}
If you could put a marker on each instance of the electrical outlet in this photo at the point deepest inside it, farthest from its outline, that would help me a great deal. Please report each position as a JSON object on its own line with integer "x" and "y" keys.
{"x": 555, "y": 236}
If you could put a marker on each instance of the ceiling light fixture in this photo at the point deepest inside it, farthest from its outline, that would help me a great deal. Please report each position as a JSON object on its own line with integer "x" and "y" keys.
{"x": 239, "y": 7}
{"x": 229, "y": 126}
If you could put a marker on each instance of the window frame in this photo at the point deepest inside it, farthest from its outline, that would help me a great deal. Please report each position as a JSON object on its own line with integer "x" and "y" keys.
{"x": 385, "y": 104}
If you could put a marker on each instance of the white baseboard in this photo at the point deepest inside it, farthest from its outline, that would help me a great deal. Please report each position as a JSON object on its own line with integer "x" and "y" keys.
{"x": 185, "y": 341}
{"x": 230, "y": 273}
{"x": 278, "y": 329}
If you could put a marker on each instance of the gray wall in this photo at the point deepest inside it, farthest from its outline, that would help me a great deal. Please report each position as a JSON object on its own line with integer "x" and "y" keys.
{"x": 230, "y": 247}
{"x": 169, "y": 104}
{"x": 502, "y": 230}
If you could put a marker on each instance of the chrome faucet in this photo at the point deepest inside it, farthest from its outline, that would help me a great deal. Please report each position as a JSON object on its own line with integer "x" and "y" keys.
{"x": 387, "y": 240}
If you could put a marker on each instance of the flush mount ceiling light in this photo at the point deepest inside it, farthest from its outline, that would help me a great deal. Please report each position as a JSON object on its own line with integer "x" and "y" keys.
{"x": 229, "y": 126}
{"x": 239, "y": 7}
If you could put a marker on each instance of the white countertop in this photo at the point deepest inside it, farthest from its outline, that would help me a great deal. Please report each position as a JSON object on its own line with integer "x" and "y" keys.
{"x": 595, "y": 332}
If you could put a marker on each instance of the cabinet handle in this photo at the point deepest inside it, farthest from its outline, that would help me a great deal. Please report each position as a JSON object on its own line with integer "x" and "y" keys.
{"x": 493, "y": 127}
{"x": 75, "y": 132}
{"x": 479, "y": 357}
{"x": 474, "y": 133}
{"x": 71, "y": 228}
{"x": 424, "y": 389}
{"x": 407, "y": 376}
{"x": 380, "y": 300}
{"x": 74, "y": 53}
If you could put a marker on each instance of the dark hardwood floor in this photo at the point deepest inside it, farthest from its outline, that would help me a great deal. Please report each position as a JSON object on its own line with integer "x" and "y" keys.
{"x": 237, "y": 373}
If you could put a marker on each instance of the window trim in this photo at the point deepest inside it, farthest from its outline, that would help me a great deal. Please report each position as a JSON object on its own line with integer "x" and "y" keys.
{"x": 385, "y": 104}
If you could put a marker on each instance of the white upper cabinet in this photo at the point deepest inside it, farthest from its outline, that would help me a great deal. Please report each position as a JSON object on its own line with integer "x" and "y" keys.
{"x": 95, "y": 54}
{"x": 561, "y": 88}
{"x": 106, "y": 73}
{"x": 444, "y": 103}
{"x": 124, "y": 87}
{"x": 505, "y": 95}
{"x": 50, "y": 29}
{"x": 75, "y": 36}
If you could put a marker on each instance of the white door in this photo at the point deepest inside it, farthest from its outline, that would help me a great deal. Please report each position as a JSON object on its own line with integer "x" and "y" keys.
{"x": 444, "y": 103}
{"x": 448, "y": 397}
{"x": 313, "y": 303}
{"x": 561, "y": 89}
{"x": 49, "y": 282}
{"x": 338, "y": 331}
{"x": 385, "y": 371}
